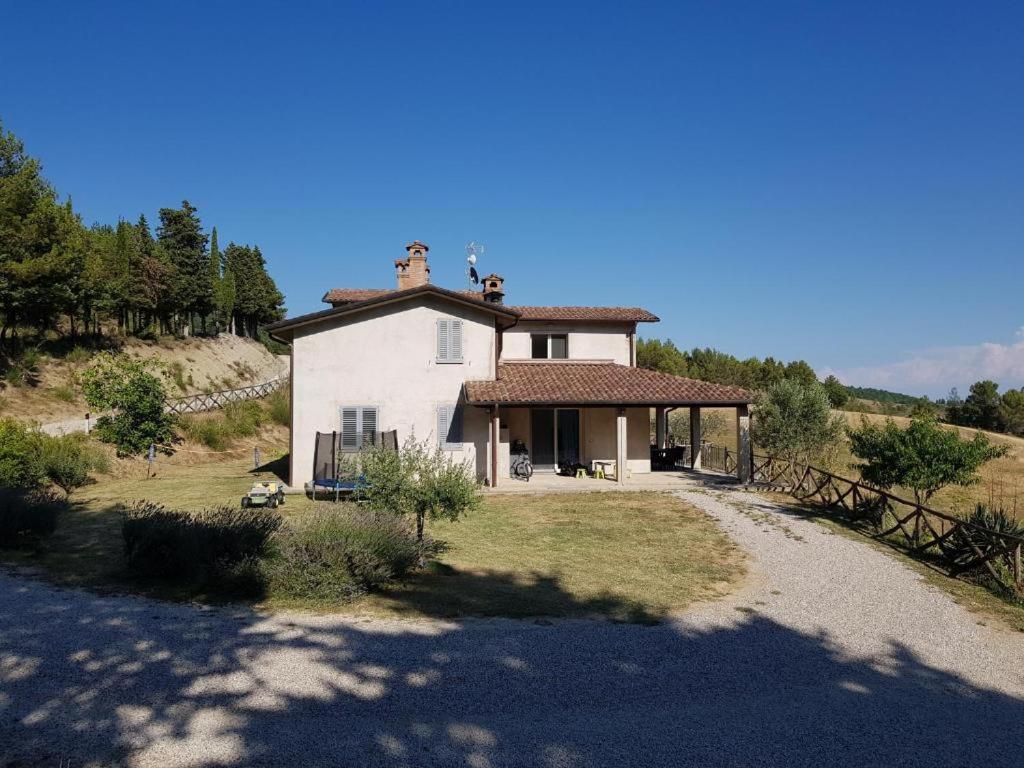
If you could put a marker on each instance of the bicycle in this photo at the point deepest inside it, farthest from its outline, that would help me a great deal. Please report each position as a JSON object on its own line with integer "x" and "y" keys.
{"x": 521, "y": 466}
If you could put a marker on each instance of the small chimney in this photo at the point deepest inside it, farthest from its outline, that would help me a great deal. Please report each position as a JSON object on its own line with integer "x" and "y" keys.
{"x": 413, "y": 271}
{"x": 493, "y": 291}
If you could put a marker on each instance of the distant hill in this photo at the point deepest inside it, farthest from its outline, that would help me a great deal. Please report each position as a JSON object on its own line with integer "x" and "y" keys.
{"x": 883, "y": 396}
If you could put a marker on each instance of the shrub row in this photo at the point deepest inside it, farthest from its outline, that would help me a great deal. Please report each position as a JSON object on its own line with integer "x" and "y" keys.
{"x": 336, "y": 553}
{"x": 194, "y": 548}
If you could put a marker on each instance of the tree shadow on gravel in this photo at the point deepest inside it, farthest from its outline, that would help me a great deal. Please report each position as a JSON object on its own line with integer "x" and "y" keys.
{"x": 90, "y": 680}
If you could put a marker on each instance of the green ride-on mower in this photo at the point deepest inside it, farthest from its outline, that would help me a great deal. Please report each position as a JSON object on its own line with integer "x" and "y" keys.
{"x": 263, "y": 495}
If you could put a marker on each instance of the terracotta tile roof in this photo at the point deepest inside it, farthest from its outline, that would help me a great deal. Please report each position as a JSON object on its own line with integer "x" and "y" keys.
{"x": 578, "y": 383}
{"x": 592, "y": 314}
{"x": 340, "y": 296}
{"x": 349, "y": 295}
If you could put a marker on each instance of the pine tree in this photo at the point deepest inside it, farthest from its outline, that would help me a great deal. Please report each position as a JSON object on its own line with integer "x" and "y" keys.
{"x": 215, "y": 280}
{"x": 181, "y": 236}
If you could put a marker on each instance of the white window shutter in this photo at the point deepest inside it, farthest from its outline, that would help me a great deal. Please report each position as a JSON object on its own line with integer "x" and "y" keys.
{"x": 349, "y": 428}
{"x": 443, "y": 346}
{"x": 368, "y": 428}
{"x": 443, "y": 424}
{"x": 455, "y": 340}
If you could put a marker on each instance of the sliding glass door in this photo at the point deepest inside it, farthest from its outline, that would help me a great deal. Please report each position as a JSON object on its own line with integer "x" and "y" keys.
{"x": 554, "y": 437}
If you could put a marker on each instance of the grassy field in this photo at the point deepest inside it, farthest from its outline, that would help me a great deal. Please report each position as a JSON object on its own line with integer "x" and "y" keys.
{"x": 630, "y": 556}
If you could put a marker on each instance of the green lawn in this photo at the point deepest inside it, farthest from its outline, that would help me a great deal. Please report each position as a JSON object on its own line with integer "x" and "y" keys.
{"x": 625, "y": 556}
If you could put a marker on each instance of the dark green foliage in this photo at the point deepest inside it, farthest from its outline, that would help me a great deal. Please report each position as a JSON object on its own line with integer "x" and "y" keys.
{"x": 194, "y": 547}
{"x": 53, "y": 267}
{"x": 257, "y": 299}
{"x": 339, "y": 552}
{"x": 837, "y": 393}
{"x": 134, "y": 396}
{"x": 69, "y": 461}
{"x": 1011, "y": 411}
{"x": 924, "y": 457}
{"x": 795, "y": 422}
{"x": 27, "y": 516}
{"x": 21, "y": 461}
{"x": 882, "y": 396}
{"x": 719, "y": 367}
{"x": 981, "y": 408}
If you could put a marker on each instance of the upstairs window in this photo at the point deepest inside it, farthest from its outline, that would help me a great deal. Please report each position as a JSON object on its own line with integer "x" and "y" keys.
{"x": 449, "y": 341}
{"x": 358, "y": 426}
{"x": 549, "y": 346}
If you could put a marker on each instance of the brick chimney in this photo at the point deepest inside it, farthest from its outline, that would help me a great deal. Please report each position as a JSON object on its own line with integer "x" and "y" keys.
{"x": 413, "y": 271}
{"x": 493, "y": 288}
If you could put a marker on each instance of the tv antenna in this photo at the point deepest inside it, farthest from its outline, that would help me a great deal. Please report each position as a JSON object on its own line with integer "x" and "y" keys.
{"x": 474, "y": 251}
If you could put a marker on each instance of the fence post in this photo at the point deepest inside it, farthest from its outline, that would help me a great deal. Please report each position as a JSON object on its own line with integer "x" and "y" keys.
{"x": 256, "y": 457}
{"x": 150, "y": 458}
{"x": 1017, "y": 575}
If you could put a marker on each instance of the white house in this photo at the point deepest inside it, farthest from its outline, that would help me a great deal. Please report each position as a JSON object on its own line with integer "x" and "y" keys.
{"x": 474, "y": 374}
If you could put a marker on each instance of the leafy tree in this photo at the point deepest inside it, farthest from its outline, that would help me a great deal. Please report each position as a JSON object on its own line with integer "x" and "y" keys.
{"x": 924, "y": 457}
{"x": 135, "y": 399}
{"x": 69, "y": 460}
{"x": 794, "y": 422}
{"x": 38, "y": 237}
{"x": 1011, "y": 411}
{"x": 837, "y": 393}
{"x": 257, "y": 299}
{"x": 181, "y": 236}
{"x": 802, "y": 373}
{"x": 981, "y": 408}
{"x": 659, "y": 355}
{"x": 418, "y": 480}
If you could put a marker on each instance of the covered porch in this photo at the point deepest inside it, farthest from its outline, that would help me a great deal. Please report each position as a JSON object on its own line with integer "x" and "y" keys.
{"x": 593, "y": 419}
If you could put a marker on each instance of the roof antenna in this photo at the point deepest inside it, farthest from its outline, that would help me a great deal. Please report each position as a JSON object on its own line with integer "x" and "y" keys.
{"x": 474, "y": 250}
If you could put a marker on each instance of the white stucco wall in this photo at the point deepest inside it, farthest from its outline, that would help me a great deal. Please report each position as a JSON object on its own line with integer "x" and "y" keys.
{"x": 586, "y": 342}
{"x": 386, "y": 358}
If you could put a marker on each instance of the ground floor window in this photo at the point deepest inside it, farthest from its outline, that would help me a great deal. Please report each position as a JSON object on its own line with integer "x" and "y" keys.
{"x": 554, "y": 437}
{"x": 358, "y": 426}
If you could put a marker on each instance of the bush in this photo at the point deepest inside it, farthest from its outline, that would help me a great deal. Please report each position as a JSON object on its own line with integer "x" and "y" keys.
{"x": 195, "y": 548}
{"x": 68, "y": 461}
{"x": 135, "y": 396}
{"x": 279, "y": 407}
{"x": 338, "y": 553}
{"x": 27, "y": 516}
{"x": 21, "y": 465}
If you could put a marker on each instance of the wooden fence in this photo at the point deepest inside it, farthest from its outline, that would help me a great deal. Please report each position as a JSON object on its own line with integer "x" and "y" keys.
{"x": 718, "y": 457}
{"x": 957, "y": 545}
{"x": 214, "y": 400}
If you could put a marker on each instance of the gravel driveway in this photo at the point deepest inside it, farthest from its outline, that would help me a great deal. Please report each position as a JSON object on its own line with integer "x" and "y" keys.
{"x": 833, "y": 653}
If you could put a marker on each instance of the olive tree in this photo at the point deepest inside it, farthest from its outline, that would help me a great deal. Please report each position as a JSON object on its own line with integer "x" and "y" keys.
{"x": 418, "y": 480}
{"x": 924, "y": 457}
{"x": 794, "y": 422}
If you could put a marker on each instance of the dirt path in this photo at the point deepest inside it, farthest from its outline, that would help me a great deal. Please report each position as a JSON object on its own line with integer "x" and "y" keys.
{"x": 833, "y": 654}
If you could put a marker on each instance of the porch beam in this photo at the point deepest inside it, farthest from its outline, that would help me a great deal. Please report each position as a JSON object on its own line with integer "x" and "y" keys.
{"x": 620, "y": 446}
{"x": 661, "y": 422}
{"x": 495, "y": 429}
{"x": 744, "y": 469}
{"x": 695, "y": 446}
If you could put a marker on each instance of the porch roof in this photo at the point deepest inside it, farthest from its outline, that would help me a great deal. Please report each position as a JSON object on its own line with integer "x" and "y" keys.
{"x": 597, "y": 384}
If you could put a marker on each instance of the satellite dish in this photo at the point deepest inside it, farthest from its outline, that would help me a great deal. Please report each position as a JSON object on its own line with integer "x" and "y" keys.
{"x": 474, "y": 250}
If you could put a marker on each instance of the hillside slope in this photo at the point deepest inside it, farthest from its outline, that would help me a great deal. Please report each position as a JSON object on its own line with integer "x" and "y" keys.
{"x": 193, "y": 365}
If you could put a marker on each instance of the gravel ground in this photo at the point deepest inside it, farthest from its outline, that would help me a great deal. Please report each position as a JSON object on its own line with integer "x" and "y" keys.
{"x": 832, "y": 653}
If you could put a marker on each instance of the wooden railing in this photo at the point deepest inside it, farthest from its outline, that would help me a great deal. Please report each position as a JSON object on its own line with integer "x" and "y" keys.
{"x": 718, "y": 457}
{"x": 959, "y": 546}
{"x": 213, "y": 400}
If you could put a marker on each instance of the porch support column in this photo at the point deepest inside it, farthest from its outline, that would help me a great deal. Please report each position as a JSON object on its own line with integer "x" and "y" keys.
{"x": 661, "y": 421}
{"x": 495, "y": 426}
{"x": 695, "y": 447}
{"x": 620, "y": 445}
{"x": 743, "y": 464}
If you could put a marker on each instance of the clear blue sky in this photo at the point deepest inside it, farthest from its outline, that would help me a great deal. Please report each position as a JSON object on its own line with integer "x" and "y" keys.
{"x": 840, "y": 182}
